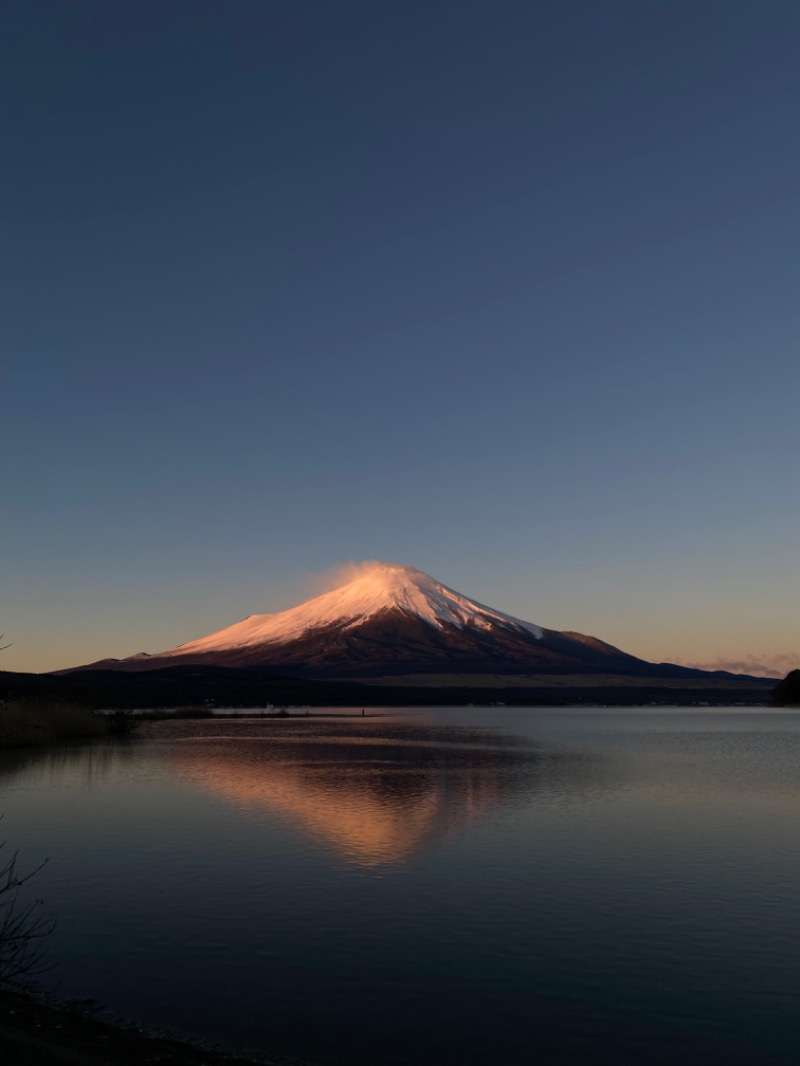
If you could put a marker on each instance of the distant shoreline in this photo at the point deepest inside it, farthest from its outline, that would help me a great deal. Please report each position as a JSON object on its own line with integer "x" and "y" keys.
{"x": 204, "y": 686}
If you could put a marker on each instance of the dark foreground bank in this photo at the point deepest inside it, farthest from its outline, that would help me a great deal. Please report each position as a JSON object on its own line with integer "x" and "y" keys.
{"x": 33, "y": 1033}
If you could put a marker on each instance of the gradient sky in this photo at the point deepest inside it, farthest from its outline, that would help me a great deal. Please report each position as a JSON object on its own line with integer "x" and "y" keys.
{"x": 507, "y": 291}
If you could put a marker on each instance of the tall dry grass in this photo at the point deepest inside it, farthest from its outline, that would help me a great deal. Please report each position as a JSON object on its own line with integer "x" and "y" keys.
{"x": 23, "y": 723}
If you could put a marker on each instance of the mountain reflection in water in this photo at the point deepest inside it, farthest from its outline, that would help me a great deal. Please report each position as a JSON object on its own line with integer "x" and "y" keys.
{"x": 376, "y": 793}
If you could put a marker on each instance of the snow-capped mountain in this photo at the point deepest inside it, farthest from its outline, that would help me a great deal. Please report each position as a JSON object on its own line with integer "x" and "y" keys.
{"x": 378, "y": 589}
{"x": 393, "y": 620}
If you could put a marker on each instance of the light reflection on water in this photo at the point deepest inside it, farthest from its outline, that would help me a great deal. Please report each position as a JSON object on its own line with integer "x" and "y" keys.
{"x": 465, "y": 885}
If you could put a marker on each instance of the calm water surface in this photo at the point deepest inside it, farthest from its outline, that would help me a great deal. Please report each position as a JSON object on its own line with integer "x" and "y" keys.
{"x": 478, "y": 886}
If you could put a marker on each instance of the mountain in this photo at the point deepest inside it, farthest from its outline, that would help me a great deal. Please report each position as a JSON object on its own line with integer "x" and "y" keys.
{"x": 395, "y": 621}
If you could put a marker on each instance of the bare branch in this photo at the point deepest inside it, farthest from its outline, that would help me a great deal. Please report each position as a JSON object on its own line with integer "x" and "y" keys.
{"x": 22, "y": 927}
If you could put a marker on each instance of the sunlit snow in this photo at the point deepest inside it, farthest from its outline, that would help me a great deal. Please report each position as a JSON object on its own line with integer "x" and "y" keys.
{"x": 379, "y": 587}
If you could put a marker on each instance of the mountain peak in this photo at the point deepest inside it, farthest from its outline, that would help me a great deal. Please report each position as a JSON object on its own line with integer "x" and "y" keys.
{"x": 377, "y": 587}
{"x": 380, "y": 586}
{"x": 386, "y": 579}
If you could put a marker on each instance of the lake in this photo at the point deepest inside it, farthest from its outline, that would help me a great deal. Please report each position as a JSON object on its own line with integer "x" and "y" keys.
{"x": 468, "y": 885}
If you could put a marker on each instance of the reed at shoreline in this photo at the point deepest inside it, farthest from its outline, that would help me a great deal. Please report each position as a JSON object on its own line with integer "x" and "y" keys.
{"x": 25, "y": 723}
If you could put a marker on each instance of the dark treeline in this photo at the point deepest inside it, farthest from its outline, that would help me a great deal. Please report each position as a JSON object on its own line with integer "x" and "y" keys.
{"x": 196, "y": 685}
{"x": 787, "y": 692}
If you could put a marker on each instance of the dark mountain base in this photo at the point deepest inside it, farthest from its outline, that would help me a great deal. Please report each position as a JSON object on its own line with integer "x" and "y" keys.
{"x": 192, "y": 685}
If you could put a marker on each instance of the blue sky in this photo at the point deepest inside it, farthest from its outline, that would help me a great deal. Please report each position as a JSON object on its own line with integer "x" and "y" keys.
{"x": 505, "y": 291}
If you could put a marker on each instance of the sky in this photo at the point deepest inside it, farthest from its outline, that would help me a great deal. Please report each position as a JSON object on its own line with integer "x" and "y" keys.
{"x": 506, "y": 291}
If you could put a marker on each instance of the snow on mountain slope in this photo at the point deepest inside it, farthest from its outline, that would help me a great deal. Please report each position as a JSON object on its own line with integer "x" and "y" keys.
{"x": 378, "y": 588}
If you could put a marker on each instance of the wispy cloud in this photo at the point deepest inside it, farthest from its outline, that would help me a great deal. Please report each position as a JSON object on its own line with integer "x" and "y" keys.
{"x": 759, "y": 666}
{"x": 336, "y": 576}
